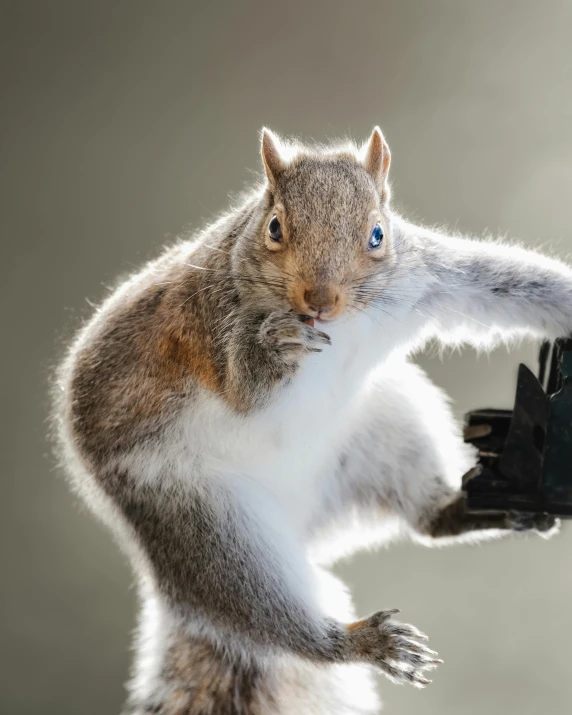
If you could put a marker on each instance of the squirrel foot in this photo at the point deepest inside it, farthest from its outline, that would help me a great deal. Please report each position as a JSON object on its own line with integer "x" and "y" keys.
{"x": 395, "y": 648}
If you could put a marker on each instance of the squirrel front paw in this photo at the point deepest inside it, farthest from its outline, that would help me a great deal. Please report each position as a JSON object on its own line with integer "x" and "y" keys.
{"x": 393, "y": 647}
{"x": 288, "y": 338}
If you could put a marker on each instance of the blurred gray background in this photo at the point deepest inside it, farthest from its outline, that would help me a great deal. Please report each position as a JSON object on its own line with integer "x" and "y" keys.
{"x": 124, "y": 122}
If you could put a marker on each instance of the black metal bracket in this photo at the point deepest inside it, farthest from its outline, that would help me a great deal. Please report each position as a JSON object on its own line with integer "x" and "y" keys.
{"x": 525, "y": 454}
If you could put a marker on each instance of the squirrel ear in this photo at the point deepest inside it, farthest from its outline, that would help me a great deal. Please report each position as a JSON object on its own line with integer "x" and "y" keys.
{"x": 274, "y": 162}
{"x": 376, "y": 158}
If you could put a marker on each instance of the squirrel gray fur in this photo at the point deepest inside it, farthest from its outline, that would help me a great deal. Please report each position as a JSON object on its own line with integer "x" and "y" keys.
{"x": 242, "y": 412}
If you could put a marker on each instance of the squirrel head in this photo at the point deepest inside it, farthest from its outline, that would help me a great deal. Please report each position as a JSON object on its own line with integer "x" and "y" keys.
{"x": 322, "y": 243}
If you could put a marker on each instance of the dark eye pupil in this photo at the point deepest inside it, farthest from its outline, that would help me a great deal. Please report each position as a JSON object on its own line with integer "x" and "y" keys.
{"x": 274, "y": 229}
{"x": 376, "y": 236}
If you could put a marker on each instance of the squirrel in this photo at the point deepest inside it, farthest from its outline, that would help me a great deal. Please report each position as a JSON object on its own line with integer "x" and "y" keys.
{"x": 242, "y": 412}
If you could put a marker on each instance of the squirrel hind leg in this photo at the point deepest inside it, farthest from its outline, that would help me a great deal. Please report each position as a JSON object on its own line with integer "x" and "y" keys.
{"x": 197, "y": 679}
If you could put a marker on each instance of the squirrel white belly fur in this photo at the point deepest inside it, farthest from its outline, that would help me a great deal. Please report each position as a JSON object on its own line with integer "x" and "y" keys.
{"x": 242, "y": 412}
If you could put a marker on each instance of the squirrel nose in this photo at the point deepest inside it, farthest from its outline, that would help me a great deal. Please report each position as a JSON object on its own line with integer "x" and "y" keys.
{"x": 321, "y": 301}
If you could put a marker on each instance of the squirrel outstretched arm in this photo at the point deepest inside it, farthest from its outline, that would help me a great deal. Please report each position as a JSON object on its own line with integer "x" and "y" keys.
{"x": 482, "y": 292}
{"x": 243, "y": 407}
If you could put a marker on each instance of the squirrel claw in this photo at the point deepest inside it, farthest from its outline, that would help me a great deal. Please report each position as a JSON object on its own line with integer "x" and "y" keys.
{"x": 393, "y": 647}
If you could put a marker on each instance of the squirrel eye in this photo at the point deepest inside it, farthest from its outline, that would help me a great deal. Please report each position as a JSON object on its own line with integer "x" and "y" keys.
{"x": 376, "y": 236}
{"x": 274, "y": 229}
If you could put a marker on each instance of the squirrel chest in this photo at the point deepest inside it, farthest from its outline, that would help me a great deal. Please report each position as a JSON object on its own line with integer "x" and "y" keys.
{"x": 283, "y": 449}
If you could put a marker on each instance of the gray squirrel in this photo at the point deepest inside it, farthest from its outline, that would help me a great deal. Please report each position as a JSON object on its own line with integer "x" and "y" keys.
{"x": 242, "y": 412}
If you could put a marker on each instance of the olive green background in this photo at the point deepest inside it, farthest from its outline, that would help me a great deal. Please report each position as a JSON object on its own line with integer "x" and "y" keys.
{"x": 122, "y": 123}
